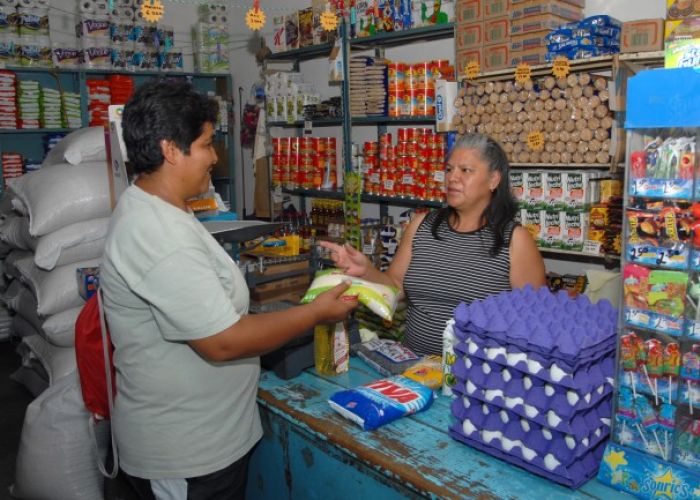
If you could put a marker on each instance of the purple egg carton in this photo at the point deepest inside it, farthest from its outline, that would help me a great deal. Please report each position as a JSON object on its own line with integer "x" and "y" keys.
{"x": 579, "y": 425}
{"x": 538, "y": 393}
{"x": 583, "y": 380}
{"x": 572, "y": 476}
{"x": 495, "y": 349}
{"x": 537, "y": 320}
{"x": 491, "y": 424}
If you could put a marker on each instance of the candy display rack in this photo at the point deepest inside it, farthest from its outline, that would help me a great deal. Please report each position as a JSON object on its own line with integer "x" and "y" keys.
{"x": 655, "y": 445}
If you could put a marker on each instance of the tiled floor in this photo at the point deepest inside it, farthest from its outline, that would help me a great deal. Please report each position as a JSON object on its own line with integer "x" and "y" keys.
{"x": 13, "y": 402}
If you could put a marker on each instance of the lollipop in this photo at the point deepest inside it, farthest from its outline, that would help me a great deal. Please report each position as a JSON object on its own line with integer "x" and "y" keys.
{"x": 667, "y": 422}
{"x": 625, "y": 408}
{"x": 672, "y": 365}
{"x": 629, "y": 349}
{"x": 648, "y": 419}
{"x": 690, "y": 372}
{"x": 690, "y": 437}
{"x": 654, "y": 367}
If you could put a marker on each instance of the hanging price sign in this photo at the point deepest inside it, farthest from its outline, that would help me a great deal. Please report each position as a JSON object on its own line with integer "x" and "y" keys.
{"x": 255, "y": 18}
{"x": 152, "y": 10}
{"x": 329, "y": 20}
{"x": 472, "y": 70}
{"x": 523, "y": 73}
{"x": 561, "y": 67}
{"x": 535, "y": 141}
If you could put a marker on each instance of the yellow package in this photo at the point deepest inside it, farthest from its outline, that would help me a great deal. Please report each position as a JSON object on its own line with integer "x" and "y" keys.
{"x": 428, "y": 372}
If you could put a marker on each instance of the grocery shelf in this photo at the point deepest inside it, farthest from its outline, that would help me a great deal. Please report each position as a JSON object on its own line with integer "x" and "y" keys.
{"x": 303, "y": 53}
{"x": 405, "y": 36}
{"x": 609, "y": 260}
{"x": 602, "y": 166}
{"x": 108, "y": 71}
{"x": 598, "y": 63}
{"x": 365, "y": 198}
{"x": 319, "y": 122}
{"x": 391, "y": 120}
{"x": 317, "y": 193}
{"x": 36, "y": 130}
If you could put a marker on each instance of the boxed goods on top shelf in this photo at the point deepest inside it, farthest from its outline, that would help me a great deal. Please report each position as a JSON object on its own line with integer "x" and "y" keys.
{"x": 299, "y": 29}
{"x": 398, "y": 15}
{"x": 570, "y": 115}
{"x": 591, "y": 37}
{"x": 286, "y": 94}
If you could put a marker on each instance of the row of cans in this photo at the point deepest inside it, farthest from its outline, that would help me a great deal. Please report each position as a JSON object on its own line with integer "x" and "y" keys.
{"x": 403, "y": 76}
{"x": 325, "y": 146}
{"x": 426, "y": 185}
{"x": 411, "y": 102}
{"x": 305, "y": 171}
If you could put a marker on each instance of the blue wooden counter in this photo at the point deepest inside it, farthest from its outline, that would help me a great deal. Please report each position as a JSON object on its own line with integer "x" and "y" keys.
{"x": 309, "y": 451}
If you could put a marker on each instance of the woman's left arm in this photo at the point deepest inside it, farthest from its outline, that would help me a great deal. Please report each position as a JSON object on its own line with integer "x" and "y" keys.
{"x": 526, "y": 264}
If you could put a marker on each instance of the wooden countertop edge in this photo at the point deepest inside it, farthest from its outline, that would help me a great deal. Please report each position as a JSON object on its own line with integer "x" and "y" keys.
{"x": 338, "y": 435}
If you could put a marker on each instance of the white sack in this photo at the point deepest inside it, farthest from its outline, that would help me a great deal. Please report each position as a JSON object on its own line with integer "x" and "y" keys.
{"x": 55, "y": 290}
{"x": 60, "y": 328}
{"x": 56, "y": 458}
{"x": 63, "y": 194}
{"x": 72, "y": 243}
{"x": 82, "y": 146}
{"x": 57, "y": 361}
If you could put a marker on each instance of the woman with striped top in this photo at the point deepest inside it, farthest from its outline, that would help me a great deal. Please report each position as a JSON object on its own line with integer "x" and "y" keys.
{"x": 468, "y": 250}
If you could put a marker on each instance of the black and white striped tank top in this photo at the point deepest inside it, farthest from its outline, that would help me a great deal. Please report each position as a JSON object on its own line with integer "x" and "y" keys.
{"x": 442, "y": 273}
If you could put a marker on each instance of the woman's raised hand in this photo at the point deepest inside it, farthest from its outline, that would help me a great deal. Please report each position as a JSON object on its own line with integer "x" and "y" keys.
{"x": 346, "y": 258}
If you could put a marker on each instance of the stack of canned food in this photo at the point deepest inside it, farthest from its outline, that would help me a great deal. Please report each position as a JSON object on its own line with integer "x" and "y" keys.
{"x": 411, "y": 168}
{"x": 304, "y": 162}
{"x": 411, "y": 87}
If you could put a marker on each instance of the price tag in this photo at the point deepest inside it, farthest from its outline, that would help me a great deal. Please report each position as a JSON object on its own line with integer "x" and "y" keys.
{"x": 439, "y": 176}
{"x": 308, "y": 127}
{"x": 255, "y": 19}
{"x": 472, "y": 70}
{"x": 535, "y": 141}
{"x": 561, "y": 67}
{"x": 591, "y": 247}
{"x": 374, "y": 178}
{"x": 152, "y": 10}
{"x": 523, "y": 73}
{"x": 389, "y": 185}
{"x": 329, "y": 21}
{"x": 407, "y": 180}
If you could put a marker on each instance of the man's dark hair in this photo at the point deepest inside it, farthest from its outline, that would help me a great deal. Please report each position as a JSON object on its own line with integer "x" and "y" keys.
{"x": 160, "y": 110}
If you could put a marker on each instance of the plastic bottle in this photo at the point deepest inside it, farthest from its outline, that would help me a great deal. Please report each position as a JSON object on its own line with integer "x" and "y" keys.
{"x": 331, "y": 349}
{"x": 448, "y": 358}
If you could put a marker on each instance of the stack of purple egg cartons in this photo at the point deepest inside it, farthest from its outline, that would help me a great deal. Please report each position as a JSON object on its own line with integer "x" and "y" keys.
{"x": 534, "y": 377}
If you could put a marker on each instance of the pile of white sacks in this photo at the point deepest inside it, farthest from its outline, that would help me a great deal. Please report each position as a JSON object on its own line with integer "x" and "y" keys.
{"x": 57, "y": 224}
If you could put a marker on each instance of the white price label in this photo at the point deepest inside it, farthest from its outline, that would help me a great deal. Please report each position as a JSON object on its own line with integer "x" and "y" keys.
{"x": 407, "y": 180}
{"x": 374, "y": 178}
{"x": 591, "y": 247}
{"x": 389, "y": 185}
{"x": 439, "y": 176}
{"x": 308, "y": 127}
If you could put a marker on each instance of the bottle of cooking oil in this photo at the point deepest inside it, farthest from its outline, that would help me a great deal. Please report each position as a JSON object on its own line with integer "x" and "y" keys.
{"x": 331, "y": 348}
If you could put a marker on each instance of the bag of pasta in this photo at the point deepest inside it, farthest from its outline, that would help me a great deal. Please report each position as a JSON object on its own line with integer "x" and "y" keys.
{"x": 380, "y": 299}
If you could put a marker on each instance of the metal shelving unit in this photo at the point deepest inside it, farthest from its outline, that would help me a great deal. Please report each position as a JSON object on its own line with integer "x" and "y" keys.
{"x": 26, "y": 142}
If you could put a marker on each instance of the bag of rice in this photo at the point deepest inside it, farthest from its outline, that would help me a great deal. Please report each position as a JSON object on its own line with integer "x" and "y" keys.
{"x": 382, "y": 401}
{"x": 380, "y": 299}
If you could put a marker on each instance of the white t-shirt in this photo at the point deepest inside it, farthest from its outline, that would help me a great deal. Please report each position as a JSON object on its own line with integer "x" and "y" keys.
{"x": 166, "y": 281}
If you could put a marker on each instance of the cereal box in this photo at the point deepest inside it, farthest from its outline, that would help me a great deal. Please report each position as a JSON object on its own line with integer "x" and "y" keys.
{"x": 517, "y": 185}
{"x": 579, "y": 191}
{"x": 534, "y": 190}
{"x": 552, "y": 228}
{"x": 554, "y": 189}
{"x": 534, "y": 222}
{"x": 575, "y": 230}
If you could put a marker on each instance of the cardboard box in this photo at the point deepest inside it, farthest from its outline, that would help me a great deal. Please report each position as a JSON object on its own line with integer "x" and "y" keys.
{"x": 645, "y": 35}
{"x": 680, "y": 9}
{"x": 529, "y": 41}
{"x": 291, "y": 30}
{"x": 531, "y": 57}
{"x": 517, "y": 185}
{"x": 496, "y": 30}
{"x": 579, "y": 191}
{"x": 536, "y": 23}
{"x": 559, "y": 8}
{"x": 554, "y": 182}
{"x": 467, "y": 55}
{"x": 296, "y": 285}
{"x": 552, "y": 228}
{"x": 575, "y": 230}
{"x": 445, "y": 109}
{"x": 276, "y": 41}
{"x": 306, "y": 27}
{"x": 533, "y": 221}
{"x": 534, "y": 189}
{"x": 495, "y": 8}
{"x": 469, "y": 11}
{"x": 684, "y": 29}
{"x": 469, "y": 36}
{"x": 496, "y": 57}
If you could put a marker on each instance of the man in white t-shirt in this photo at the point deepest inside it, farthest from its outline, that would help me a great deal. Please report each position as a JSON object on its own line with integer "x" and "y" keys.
{"x": 186, "y": 351}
